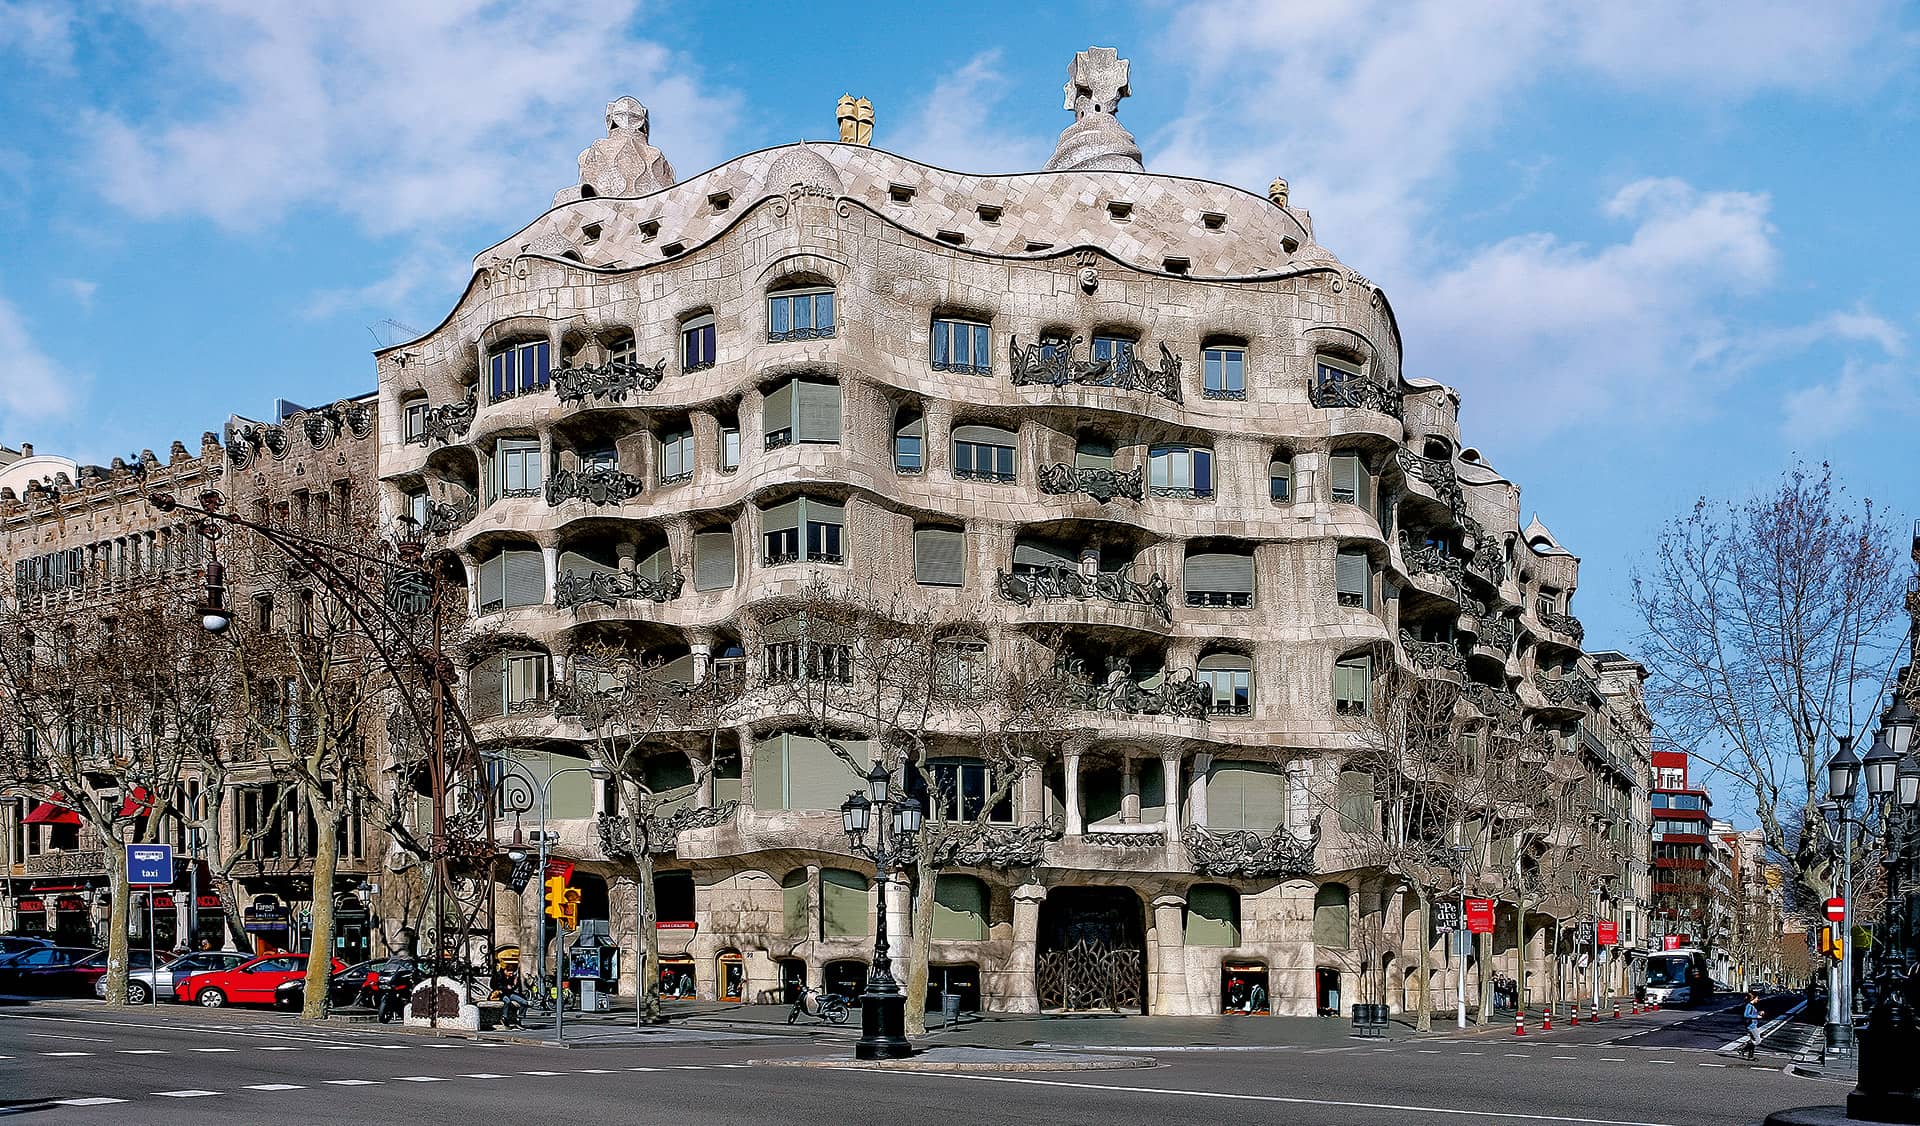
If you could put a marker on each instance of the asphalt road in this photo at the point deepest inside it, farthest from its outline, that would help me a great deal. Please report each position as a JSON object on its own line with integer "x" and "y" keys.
{"x": 85, "y": 1064}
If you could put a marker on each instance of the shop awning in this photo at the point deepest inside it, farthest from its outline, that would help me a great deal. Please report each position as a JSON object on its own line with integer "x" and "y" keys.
{"x": 139, "y": 803}
{"x": 51, "y": 812}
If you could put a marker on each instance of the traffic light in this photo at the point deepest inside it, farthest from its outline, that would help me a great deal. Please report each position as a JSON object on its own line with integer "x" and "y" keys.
{"x": 1831, "y": 944}
{"x": 557, "y": 897}
{"x": 570, "y": 908}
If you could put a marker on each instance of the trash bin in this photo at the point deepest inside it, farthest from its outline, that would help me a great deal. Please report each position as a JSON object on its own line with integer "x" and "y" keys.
{"x": 949, "y": 1009}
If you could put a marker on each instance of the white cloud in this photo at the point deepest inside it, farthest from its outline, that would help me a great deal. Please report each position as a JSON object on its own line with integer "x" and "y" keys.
{"x": 82, "y": 290}
{"x": 954, "y": 126}
{"x": 38, "y": 33}
{"x": 1863, "y": 351}
{"x": 401, "y": 116}
{"x": 32, "y": 386}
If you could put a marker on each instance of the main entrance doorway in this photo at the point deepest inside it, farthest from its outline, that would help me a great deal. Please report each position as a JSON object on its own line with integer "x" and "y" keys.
{"x": 1092, "y": 951}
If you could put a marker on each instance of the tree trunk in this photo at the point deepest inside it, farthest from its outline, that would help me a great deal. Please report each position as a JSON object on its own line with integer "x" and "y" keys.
{"x": 646, "y": 982}
{"x": 1423, "y": 1020}
{"x": 326, "y": 860}
{"x": 1483, "y": 968}
{"x": 919, "y": 948}
{"x": 118, "y": 909}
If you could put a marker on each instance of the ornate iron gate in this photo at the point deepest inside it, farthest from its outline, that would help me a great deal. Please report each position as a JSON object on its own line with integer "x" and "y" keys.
{"x": 1091, "y": 974}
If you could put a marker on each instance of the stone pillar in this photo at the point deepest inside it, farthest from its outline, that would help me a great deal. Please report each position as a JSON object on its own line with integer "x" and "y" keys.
{"x": 550, "y": 558}
{"x": 1168, "y": 993}
{"x": 1129, "y": 791}
{"x": 1019, "y": 992}
{"x": 1072, "y": 797}
{"x": 1197, "y": 799}
{"x": 1033, "y": 792}
{"x": 899, "y": 909}
{"x": 1170, "y": 763}
{"x": 743, "y": 737}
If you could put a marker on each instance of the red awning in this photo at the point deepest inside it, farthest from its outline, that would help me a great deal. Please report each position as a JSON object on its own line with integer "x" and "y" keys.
{"x": 51, "y": 812}
{"x": 139, "y": 803}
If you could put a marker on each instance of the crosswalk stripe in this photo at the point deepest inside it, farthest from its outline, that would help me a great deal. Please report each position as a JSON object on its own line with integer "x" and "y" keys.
{"x": 187, "y": 1094}
{"x": 213, "y": 1049}
{"x": 275, "y": 1087}
{"x": 541, "y": 1073}
{"x": 420, "y": 1079}
{"x": 143, "y": 1051}
{"x": 88, "y": 1102}
{"x": 353, "y": 1082}
{"x": 483, "y": 1075}
{"x": 591, "y": 1071}
{"x": 66, "y": 1053}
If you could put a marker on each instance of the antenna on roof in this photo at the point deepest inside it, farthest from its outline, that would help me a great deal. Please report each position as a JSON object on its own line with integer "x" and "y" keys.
{"x": 387, "y": 332}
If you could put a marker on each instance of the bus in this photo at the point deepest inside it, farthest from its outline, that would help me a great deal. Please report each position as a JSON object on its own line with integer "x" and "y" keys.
{"x": 1678, "y": 977}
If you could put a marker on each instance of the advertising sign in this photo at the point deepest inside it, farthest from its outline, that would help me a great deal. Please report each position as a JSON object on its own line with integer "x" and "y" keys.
{"x": 1609, "y": 932}
{"x": 522, "y": 873}
{"x": 1480, "y": 916}
{"x": 583, "y": 962}
{"x": 1446, "y": 915}
{"x": 149, "y": 865}
{"x": 1674, "y": 941}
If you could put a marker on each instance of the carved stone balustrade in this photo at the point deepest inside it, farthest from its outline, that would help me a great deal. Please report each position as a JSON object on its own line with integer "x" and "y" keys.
{"x": 599, "y": 485}
{"x": 1245, "y": 853}
{"x": 1057, "y": 584}
{"x": 612, "y": 381}
{"x": 1102, "y": 485}
{"x": 576, "y": 588}
{"x": 1053, "y": 363}
{"x": 1360, "y": 394}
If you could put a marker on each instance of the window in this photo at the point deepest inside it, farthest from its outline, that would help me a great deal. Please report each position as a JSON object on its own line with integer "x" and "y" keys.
{"x": 1180, "y": 471}
{"x": 514, "y": 577}
{"x": 792, "y": 771}
{"x": 263, "y": 612}
{"x": 517, "y": 369}
{"x": 792, "y": 659}
{"x": 1034, "y": 556}
{"x": 1353, "y": 684}
{"x": 800, "y": 314}
{"x": 676, "y": 456}
{"x": 1280, "y": 478}
{"x": 1327, "y": 370}
{"x": 1225, "y": 372}
{"x": 729, "y": 446}
{"x": 1352, "y": 482}
{"x": 1246, "y": 795}
{"x": 1230, "y": 676}
{"x": 713, "y": 563}
{"x": 1213, "y": 916}
{"x": 958, "y": 789}
{"x": 516, "y": 470}
{"x": 1219, "y": 578}
{"x": 959, "y": 909}
{"x": 793, "y": 904}
{"x": 1330, "y": 922}
{"x": 909, "y": 441}
{"x": 1356, "y": 801}
{"x": 415, "y": 420}
{"x": 804, "y": 411}
{"x": 1093, "y": 453}
{"x": 803, "y": 529}
{"x": 844, "y": 899}
{"x": 961, "y": 667}
{"x": 1119, "y": 349}
{"x": 961, "y": 346}
{"x": 1547, "y": 602}
{"x": 939, "y": 556}
{"x": 983, "y": 453}
{"x": 523, "y": 679}
{"x": 1353, "y": 579}
{"x": 697, "y": 344}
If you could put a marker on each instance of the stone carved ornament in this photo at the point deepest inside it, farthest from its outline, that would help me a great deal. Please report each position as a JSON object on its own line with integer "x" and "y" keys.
{"x": 1096, "y": 141}
{"x": 622, "y": 163}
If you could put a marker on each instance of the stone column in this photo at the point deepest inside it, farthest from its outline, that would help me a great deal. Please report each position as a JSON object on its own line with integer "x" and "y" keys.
{"x": 1019, "y": 992}
{"x": 743, "y": 737}
{"x": 1071, "y": 758}
{"x": 1129, "y": 791}
{"x": 1033, "y": 792}
{"x": 550, "y": 558}
{"x": 1168, "y": 993}
{"x": 1197, "y": 800}
{"x": 1170, "y": 764}
{"x": 898, "y": 936}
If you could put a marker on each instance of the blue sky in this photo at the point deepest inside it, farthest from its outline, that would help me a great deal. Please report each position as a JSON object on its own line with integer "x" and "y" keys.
{"x": 1662, "y": 249}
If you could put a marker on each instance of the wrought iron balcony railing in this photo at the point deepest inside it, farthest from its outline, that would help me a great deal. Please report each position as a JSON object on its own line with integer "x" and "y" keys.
{"x": 1433, "y": 656}
{"x": 601, "y": 484}
{"x": 1361, "y": 394}
{"x": 1435, "y": 473}
{"x": 612, "y": 381}
{"x": 1102, "y": 484}
{"x": 1247, "y": 854}
{"x": 1571, "y": 690}
{"x": 1178, "y": 694}
{"x": 578, "y": 588}
{"x": 1053, "y": 363}
{"x": 1565, "y": 625}
{"x": 1059, "y": 583}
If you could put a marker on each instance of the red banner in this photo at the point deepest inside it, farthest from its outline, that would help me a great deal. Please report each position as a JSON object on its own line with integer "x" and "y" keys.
{"x": 1609, "y": 932}
{"x": 1675, "y": 941}
{"x": 1480, "y": 916}
{"x": 560, "y": 868}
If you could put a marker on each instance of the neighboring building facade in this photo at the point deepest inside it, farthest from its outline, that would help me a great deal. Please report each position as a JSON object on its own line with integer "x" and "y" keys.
{"x": 1683, "y": 855}
{"x": 1147, "y": 418}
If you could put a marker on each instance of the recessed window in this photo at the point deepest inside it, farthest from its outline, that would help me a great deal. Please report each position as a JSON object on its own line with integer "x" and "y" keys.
{"x": 670, "y": 249}
{"x": 415, "y": 419}
{"x": 1176, "y": 264}
{"x": 802, "y": 410}
{"x": 523, "y": 680}
{"x": 957, "y": 790}
{"x": 939, "y": 556}
{"x": 961, "y": 346}
{"x": 649, "y": 228}
{"x": 1326, "y": 370}
{"x": 803, "y": 530}
{"x": 988, "y": 212}
{"x": 590, "y": 233}
{"x": 1119, "y": 349}
{"x": 909, "y": 441}
{"x": 1280, "y": 477}
{"x": 623, "y": 354}
{"x": 983, "y": 453}
{"x": 800, "y": 314}
{"x": 516, "y": 369}
{"x": 1225, "y": 371}
{"x": 1120, "y": 209}
{"x": 1353, "y": 684}
{"x": 512, "y": 578}
{"x": 713, "y": 564}
{"x": 515, "y": 470}
{"x": 416, "y": 507}
{"x": 1230, "y": 676}
{"x": 1352, "y": 481}
{"x": 953, "y": 237}
{"x": 599, "y": 459}
{"x": 676, "y": 456}
{"x": 900, "y": 193}
{"x": 1353, "y": 579}
{"x": 697, "y": 342}
{"x": 1180, "y": 471}
{"x": 720, "y": 201}
{"x": 1213, "y": 220}
{"x": 729, "y": 446}
{"x": 1219, "y": 578}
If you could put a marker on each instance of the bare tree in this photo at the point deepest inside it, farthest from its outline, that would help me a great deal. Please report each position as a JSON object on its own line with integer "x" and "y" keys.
{"x": 1768, "y": 631}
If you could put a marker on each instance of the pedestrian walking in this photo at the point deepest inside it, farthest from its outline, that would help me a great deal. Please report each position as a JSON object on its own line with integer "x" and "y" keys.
{"x": 1751, "y": 1014}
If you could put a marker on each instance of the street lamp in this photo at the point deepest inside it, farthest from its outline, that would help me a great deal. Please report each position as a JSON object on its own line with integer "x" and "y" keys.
{"x": 1460, "y": 852}
{"x": 883, "y": 1007}
{"x": 1843, "y": 775}
{"x": 1880, "y": 766}
{"x": 1888, "y": 1090}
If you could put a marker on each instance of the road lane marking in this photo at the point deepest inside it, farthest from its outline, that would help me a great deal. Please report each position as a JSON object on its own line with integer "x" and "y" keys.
{"x": 1428, "y": 1051}
{"x": 542, "y": 1073}
{"x": 643, "y": 1069}
{"x": 275, "y": 1087}
{"x": 61, "y": 1036}
{"x": 1519, "y": 1056}
{"x": 1566, "y": 1057}
{"x": 213, "y": 1049}
{"x": 143, "y": 1051}
{"x": 483, "y": 1075}
{"x": 1287, "y": 1099}
{"x": 421, "y": 1079}
{"x": 66, "y": 1053}
{"x": 88, "y": 1102}
{"x": 1659, "y": 1061}
{"x": 1713, "y": 1065}
{"x": 187, "y": 1094}
{"x": 353, "y": 1082}
{"x": 1613, "y": 1059}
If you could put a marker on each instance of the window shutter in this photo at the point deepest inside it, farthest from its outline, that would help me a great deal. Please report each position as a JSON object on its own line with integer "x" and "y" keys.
{"x": 712, "y": 560}
{"x": 959, "y": 909}
{"x": 483, "y": 688}
{"x": 1245, "y": 795}
{"x": 780, "y": 517}
{"x": 770, "y": 774}
{"x": 985, "y": 435}
{"x": 525, "y": 578}
{"x": 939, "y": 556}
{"x": 816, "y": 778}
{"x": 655, "y": 566}
{"x": 492, "y": 583}
{"x": 1346, "y": 484}
{"x": 779, "y": 411}
{"x": 1213, "y": 918}
{"x": 1042, "y": 553}
{"x": 843, "y": 902}
{"x": 1220, "y": 572}
{"x": 915, "y": 427}
{"x": 579, "y": 564}
{"x": 824, "y": 512}
{"x": 793, "y": 904}
{"x": 1356, "y": 800}
{"x": 1093, "y": 455}
{"x": 1352, "y": 574}
{"x": 819, "y": 412}
{"x": 1363, "y": 486}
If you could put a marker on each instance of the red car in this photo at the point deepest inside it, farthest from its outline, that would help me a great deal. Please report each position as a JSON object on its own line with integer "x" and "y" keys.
{"x": 252, "y": 982}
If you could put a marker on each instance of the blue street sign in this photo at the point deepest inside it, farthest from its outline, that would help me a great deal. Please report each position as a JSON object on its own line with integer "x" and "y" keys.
{"x": 149, "y": 864}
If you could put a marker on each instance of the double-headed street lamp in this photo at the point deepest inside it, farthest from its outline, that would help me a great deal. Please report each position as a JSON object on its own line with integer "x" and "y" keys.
{"x": 1889, "y": 1090}
{"x": 1843, "y": 778}
{"x": 883, "y": 1007}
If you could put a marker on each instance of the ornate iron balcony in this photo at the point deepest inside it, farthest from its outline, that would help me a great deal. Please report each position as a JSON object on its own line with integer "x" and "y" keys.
{"x": 1433, "y": 656}
{"x": 1424, "y": 558}
{"x": 794, "y": 334}
{"x": 1497, "y": 632}
{"x": 578, "y": 588}
{"x": 1057, "y": 584}
{"x": 444, "y": 423}
{"x": 676, "y": 478}
{"x": 1101, "y": 484}
{"x": 989, "y": 475}
{"x": 1489, "y": 561}
{"x": 1053, "y": 364}
{"x": 1178, "y": 694}
{"x": 1239, "y": 396}
{"x": 1566, "y": 625}
{"x": 1218, "y": 598}
{"x": 1182, "y": 492}
{"x": 443, "y": 518}
{"x": 612, "y": 381}
{"x": 602, "y": 484}
{"x": 1362, "y": 394}
{"x": 664, "y": 835}
{"x": 1494, "y": 703}
{"x": 964, "y": 369}
{"x": 1244, "y": 853}
{"x": 1435, "y": 473}
{"x": 1569, "y": 691}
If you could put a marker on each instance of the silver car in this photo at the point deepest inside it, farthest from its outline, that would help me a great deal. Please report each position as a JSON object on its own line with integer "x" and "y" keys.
{"x": 141, "y": 984}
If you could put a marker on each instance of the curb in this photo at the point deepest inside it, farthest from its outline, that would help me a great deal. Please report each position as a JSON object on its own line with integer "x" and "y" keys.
{"x": 1111, "y": 1063}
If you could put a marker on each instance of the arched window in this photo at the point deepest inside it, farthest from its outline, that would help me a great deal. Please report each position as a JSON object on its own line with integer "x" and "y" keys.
{"x": 844, "y": 897}
{"x": 413, "y": 413}
{"x": 983, "y": 453}
{"x": 1224, "y": 369}
{"x": 1330, "y": 923}
{"x": 1230, "y": 676}
{"x": 1213, "y": 916}
{"x": 909, "y": 440}
{"x": 799, "y": 314}
{"x": 959, "y": 909}
{"x": 1280, "y": 477}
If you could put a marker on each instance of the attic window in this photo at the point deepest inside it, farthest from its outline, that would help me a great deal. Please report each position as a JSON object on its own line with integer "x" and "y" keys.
{"x": 988, "y": 212}
{"x": 649, "y": 228}
{"x": 720, "y": 201}
{"x": 900, "y": 193}
{"x": 672, "y": 248}
{"x": 590, "y": 232}
{"x": 587, "y": 192}
{"x": 1120, "y": 209}
{"x": 1033, "y": 246}
{"x": 1213, "y": 219}
{"x": 1289, "y": 244}
{"x": 954, "y": 237}
{"x": 1177, "y": 265}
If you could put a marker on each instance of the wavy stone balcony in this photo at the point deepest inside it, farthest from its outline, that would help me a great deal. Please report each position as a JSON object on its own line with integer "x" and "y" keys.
{"x": 1102, "y": 485}
{"x": 1058, "y": 584}
{"x": 1053, "y": 364}
{"x": 1356, "y": 394}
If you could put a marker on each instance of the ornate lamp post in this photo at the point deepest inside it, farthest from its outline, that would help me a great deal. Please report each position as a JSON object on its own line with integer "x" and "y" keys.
{"x": 1843, "y": 776}
{"x": 883, "y": 1007}
{"x": 1888, "y": 1090}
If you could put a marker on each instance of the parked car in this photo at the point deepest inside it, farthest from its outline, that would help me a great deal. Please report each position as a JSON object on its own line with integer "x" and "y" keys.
{"x": 143, "y": 985}
{"x": 48, "y": 972}
{"x": 11, "y": 944}
{"x": 252, "y": 982}
{"x": 91, "y": 972}
{"x": 343, "y": 988}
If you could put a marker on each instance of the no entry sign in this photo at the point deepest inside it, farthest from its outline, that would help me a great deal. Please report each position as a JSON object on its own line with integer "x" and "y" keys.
{"x": 1480, "y": 916}
{"x": 1836, "y": 909}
